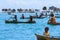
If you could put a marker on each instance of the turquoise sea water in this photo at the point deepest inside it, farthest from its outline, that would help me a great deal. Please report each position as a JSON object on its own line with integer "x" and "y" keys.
{"x": 25, "y": 31}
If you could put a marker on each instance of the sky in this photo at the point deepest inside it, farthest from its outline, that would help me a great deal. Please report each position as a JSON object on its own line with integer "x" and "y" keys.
{"x": 35, "y": 4}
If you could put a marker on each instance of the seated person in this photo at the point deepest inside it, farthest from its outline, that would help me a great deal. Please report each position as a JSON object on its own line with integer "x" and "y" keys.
{"x": 52, "y": 20}
{"x": 46, "y": 33}
{"x": 15, "y": 17}
{"x": 31, "y": 19}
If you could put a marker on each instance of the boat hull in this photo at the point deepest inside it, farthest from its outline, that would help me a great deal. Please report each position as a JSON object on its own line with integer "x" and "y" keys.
{"x": 19, "y": 22}
{"x": 39, "y": 37}
{"x": 54, "y": 24}
{"x": 32, "y": 17}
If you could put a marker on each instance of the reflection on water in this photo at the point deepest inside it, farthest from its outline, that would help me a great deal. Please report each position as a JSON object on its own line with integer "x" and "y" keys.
{"x": 25, "y": 31}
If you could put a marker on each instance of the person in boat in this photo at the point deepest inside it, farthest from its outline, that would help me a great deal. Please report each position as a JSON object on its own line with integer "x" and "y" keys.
{"x": 23, "y": 16}
{"x": 31, "y": 19}
{"x": 15, "y": 17}
{"x": 41, "y": 15}
{"x": 52, "y": 20}
{"x": 46, "y": 33}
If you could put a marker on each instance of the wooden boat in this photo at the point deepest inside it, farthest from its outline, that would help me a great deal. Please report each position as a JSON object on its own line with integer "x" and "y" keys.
{"x": 54, "y": 23}
{"x": 39, "y": 37}
{"x": 24, "y": 18}
{"x": 55, "y": 16}
{"x": 33, "y": 17}
{"x": 7, "y": 21}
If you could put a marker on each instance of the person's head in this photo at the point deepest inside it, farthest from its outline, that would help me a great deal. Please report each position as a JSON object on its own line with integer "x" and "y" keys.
{"x": 46, "y": 29}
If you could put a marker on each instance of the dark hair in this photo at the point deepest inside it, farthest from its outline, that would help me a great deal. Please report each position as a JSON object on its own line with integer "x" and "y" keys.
{"x": 46, "y": 28}
{"x": 52, "y": 14}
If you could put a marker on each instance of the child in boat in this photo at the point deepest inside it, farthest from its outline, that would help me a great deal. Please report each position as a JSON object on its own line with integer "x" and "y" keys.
{"x": 46, "y": 33}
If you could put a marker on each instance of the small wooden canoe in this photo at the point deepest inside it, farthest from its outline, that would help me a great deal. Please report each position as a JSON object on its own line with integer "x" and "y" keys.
{"x": 33, "y": 17}
{"x": 6, "y": 21}
{"x": 39, "y": 37}
{"x": 24, "y": 18}
{"x": 54, "y": 24}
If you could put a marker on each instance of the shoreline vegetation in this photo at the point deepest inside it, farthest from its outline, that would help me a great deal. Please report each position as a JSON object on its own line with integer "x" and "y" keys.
{"x": 20, "y": 10}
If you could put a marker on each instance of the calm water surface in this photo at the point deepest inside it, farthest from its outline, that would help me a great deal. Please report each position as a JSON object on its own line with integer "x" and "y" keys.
{"x": 25, "y": 31}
